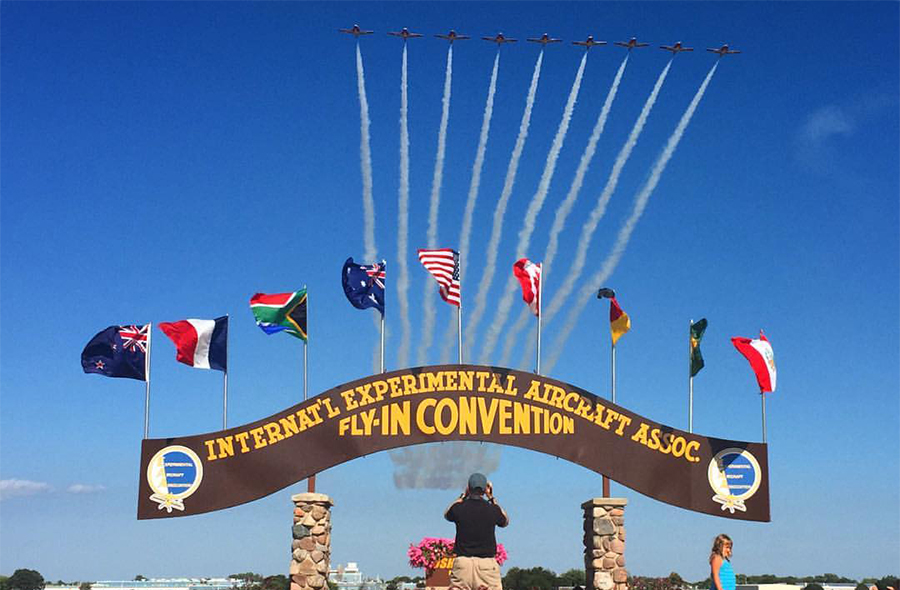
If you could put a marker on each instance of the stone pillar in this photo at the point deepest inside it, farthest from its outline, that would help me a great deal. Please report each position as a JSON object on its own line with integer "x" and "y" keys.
{"x": 311, "y": 545}
{"x": 604, "y": 544}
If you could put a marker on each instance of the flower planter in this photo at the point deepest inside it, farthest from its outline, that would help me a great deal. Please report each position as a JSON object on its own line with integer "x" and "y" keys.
{"x": 439, "y": 576}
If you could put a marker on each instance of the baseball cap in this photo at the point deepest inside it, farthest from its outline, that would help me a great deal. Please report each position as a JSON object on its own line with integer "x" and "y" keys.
{"x": 477, "y": 481}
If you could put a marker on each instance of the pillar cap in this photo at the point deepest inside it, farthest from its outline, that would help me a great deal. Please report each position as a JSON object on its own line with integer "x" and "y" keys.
{"x": 312, "y": 497}
{"x": 605, "y": 502}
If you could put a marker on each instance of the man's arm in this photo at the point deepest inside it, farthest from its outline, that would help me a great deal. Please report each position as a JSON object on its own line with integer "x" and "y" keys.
{"x": 459, "y": 499}
{"x": 489, "y": 492}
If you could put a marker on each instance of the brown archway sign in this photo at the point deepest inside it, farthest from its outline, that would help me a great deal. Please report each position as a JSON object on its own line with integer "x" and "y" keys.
{"x": 195, "y": 474}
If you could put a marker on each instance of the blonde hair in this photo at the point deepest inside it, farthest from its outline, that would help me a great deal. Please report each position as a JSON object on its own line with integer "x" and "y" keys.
{"x": 718, "y": 544}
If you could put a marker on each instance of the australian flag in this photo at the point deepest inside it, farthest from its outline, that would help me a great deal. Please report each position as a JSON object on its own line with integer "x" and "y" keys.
{"x": 364, "y": 285}
{"x": 118, "y": 351}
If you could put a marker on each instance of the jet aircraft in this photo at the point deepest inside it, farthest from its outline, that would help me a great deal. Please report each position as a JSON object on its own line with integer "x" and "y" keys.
{"x": 405, "y": 33}
{"x": 589, "y": 42}
{"x": 676, "y": 48}
{"x": 723, "y": 50}
{"x": 499, "y": 39}
{"x": 355, "y": 31}
{"x": 452, "y": 36}
{"x": 544, "y": 39}
{"x": 631, "y": 44}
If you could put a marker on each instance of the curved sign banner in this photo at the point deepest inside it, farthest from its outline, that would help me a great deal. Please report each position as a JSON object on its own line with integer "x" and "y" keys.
{"x": 196, "y": 474}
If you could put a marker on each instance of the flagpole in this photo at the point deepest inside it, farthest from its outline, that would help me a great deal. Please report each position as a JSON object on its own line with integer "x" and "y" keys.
{"x": 459, "y": 331}
{"x": 540, "y": 298}
{"x": 763, "y": 396}
{"x": 225, "y": 382}
{"x": 382, "y": 343}
{"x": 147, "y": 384}
{"x": 606, "y": 492}
{"x": 690, "y": 380}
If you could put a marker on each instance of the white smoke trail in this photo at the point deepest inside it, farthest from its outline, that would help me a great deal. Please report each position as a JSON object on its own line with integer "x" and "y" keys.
{"x": 442, "y": 466}
{"x": 500, "y": 210}
{"x": 466, "y": 232}
{"x": 534, "y": 207}
{"x": 431, "y": 237}
{"x": 565, "y": 208}
{"x": 640, "y": 203}
{"x": 365, "y": 157}
{"x": 587, "y": 230}
{"x": 403, "y": 222}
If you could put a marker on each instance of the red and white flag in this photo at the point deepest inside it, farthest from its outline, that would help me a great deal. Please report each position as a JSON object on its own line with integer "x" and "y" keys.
{"x": 202, "y": 344}
{"x": 443, "y": 264}
{"x": 761, "y": 357}
{"x": 529, "y": 275}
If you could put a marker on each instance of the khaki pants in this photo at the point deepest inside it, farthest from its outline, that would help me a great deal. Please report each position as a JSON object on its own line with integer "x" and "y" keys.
{"x": 475, "y": 573}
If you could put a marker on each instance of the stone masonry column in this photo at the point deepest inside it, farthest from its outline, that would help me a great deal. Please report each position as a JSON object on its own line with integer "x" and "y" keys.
{"x": 311, "y": 545}
{"x": 604, "y": 544}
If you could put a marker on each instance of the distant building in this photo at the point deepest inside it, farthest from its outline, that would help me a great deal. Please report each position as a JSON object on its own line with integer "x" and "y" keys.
{"x": 160, "y": 584}
{"x": 350, "y": 578}
{"x": 825, "y": 586}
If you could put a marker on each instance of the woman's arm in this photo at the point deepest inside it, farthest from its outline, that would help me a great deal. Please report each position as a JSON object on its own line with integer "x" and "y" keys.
{"x": 715, "y": 565}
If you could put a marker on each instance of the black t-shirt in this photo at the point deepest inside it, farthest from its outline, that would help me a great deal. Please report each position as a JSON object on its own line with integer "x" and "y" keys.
{"x": 475, "y": 520}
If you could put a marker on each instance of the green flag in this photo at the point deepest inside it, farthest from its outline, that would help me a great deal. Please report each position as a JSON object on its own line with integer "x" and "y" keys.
{"x": 697, "y": 331}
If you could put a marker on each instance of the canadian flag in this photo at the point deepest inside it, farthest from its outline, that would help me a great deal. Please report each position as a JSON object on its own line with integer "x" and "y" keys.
{"x": 761, "y": 357}
{"x": 529, "y": 275}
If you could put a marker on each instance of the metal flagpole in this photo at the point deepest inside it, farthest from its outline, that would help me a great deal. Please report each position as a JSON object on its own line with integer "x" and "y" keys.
{"x": 311, "y": 482}
{"x": 225, "y": 382}
{"x": 382, "y": 343}
{"x": 459, "y": 331}
{"x": 763, "y": 395}
{"x": 606, "y": 491}
{"x": 147, "y": 384}
{"x": 540, "y": 298}
{"x": 690, "y": 378}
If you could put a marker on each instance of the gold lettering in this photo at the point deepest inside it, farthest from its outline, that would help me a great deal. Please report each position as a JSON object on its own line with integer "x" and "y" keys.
{"x": 289, "y": 425}
{"x": 409, "y": 384}
{"x": 510, "y": 389}
{"x": 314, "y": 410}
{"x": 641, "y": 435}
{"x": 435, "y": 381}
{"x": 468, "y": 418}
{"x": 242, "y": 437}
{"x": 495, "y": 387}
{"x": 364, "y": 398}
{"x": 623, "y": 422}
{"x": 420, "y": 415}
{"x": 466, "y": 380}
{"x": 534, "y": 391}
{"x": 400, "y": 418}
{"x": 368, "y": 420}
{"x": 570, "y": 397}
{"x": 209, "y": 445}
{"x": 394, "y": 382}
{"x": 482, "y": 375}
{"x": 332, "y": 412}
{"x": 521, "y": 418}
{"x": 274, "y": 432}
{"x": 439, "y": 423}
{"x": 258, "y": 441}
{"x": 687, "y": 451}
{"x": 450, "y": 380}
{"x": 348, "y": 399}
{"x": 487, "y": 417}
{"x": 505, "y": 416}
{"x": 380, "y": 388}
{"x": 584, "y": 408}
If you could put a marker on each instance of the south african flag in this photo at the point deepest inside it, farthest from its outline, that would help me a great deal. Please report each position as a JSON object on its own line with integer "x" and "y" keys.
{"x": 281, "y": 312}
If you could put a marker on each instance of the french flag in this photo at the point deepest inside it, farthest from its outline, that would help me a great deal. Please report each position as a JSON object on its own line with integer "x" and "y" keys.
{"x": 202, "y": 344}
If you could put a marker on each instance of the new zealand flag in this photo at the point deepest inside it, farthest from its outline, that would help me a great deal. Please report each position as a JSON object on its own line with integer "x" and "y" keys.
{"x": 118, "y": 351}
{"x": 364, "y": 285}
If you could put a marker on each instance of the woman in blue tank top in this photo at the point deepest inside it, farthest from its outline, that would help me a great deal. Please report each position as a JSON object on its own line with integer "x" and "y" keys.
{"x": 720, "y": 564}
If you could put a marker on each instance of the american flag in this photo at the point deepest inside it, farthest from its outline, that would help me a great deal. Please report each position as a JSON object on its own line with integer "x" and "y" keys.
{"x": 134, "y": 337}
{"x": 443, "y": 264}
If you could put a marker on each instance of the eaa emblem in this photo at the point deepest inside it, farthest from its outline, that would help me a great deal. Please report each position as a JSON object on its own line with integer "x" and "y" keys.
{"x": 734, "y": 475}
{"x": 174, "y": 473}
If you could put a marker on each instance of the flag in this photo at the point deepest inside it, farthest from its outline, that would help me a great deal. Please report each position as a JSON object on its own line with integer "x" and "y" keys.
{"x": 443, "y": 265}
{"x": 202, "y": 344}
{"x": 761, "y": 357}
{"x": 281, "y": 311}
{"x": 529, "y": 275}
{"x": 697, "y": 331}
{"x": 619, "y": 322}
{"x": 364, "y": 285}
{"x": 118, "y": 351}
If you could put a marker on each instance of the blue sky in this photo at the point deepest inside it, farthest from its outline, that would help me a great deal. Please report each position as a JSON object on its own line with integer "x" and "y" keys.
{"x": 167, "y": 160}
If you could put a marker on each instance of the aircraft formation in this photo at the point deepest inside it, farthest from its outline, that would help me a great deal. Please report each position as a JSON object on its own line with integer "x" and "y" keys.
{"x": 544, "y": 40}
